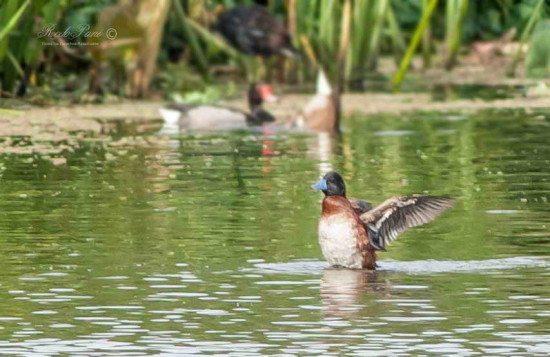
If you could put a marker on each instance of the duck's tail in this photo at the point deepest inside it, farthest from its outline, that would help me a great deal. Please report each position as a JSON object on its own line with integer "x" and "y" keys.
{"x": 323, "y": 84}
{"x": 171, "y": 119}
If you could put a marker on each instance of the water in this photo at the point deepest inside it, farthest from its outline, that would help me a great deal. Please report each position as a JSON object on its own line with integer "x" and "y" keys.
{"x": 207, "y": 245}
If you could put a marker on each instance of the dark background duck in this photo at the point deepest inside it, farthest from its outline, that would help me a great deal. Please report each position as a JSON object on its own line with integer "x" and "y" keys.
{"x": 253, "y": 30}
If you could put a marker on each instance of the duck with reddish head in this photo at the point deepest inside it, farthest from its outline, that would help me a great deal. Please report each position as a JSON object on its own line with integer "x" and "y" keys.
{"x": 350, "y": 231}
{"x": 180, "y": 117}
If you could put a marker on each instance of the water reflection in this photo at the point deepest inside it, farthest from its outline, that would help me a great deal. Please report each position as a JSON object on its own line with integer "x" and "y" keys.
{"x": 342, "y": 289}
{"x": 325, "y": 145}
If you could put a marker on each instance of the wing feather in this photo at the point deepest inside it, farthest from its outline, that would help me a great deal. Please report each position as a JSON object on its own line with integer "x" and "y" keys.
{"x": 360, "y": 206}
{"x": 397, "y": 214}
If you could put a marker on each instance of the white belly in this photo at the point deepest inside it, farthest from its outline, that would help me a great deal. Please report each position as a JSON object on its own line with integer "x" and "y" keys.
{"x": 337, "y": 241}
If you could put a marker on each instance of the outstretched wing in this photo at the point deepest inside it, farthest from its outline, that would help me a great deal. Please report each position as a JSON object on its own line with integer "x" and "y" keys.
{"x": 388, "y": 220}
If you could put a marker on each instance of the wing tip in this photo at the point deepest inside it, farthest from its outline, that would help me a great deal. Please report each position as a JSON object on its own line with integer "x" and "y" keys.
{"x": 447, "y": 201}
{"x": 439, "y": 204}
{"x": 422, "y": 210}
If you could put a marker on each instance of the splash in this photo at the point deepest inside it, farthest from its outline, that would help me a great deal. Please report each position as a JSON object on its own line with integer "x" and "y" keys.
{"x": 315, "y": 267}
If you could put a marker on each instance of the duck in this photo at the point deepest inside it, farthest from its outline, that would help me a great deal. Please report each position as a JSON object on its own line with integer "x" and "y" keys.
{"x": 253, "y": 30}
{"x": 351, "y": 234}
{"x": 182, "y": 117}
{"x": 322, "y": 113}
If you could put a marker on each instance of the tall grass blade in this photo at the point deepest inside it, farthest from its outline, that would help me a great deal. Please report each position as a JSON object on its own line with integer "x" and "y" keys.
{"x": 12, "y": 22}
{"x": 15, "y": 64}
{"x": 345, "y": 32}
{"x": 407, "y": 58}
{"x": 398, "y": 41}
{"x": 379, "y": 14}
{"x": 310, "y": 53}
{"x": 191, "y": 36}
{"x": 426, "y": 43}
{"x": 455, "y": 14}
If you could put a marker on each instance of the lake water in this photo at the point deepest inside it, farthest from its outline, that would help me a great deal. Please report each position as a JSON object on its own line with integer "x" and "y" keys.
{"x": 207, "y": 245}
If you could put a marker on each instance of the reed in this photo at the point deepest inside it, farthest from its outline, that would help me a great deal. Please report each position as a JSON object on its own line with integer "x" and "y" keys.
{"x": 12, "y": 18}
{"x": 342, "y": 43}
{"x": 426, "y": 43}
{"x": 11, "y": 52}
{"x": 419, "y": 31}
{"x": 198, "y": 51}
{"x": 21, "y": 48}
{"x": 455, "y": 13}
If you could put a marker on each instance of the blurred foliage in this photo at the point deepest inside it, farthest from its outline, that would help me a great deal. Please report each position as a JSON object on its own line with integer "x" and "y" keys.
{"x": 538, "y": 58}
{"x": 27, "y": 56}
{"x": 191, "y": 50}
{"x": 209, "y": 95}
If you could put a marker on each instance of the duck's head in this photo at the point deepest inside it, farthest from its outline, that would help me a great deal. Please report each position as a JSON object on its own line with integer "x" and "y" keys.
{"x": 332, "y": 184}
{"x": 259, "y": 93}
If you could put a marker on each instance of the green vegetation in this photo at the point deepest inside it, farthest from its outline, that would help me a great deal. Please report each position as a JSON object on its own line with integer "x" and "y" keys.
{"x": 538, "y": 59}
{"x": 426, "y": 15}
{"x": 347, "y": 38}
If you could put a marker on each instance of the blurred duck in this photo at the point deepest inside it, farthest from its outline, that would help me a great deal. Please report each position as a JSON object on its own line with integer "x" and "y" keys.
{"x": 350, "y": 234}
{"x": 321, "y": 113}
{"x": 253, "y": 30}
{"x": 181, "y": 117}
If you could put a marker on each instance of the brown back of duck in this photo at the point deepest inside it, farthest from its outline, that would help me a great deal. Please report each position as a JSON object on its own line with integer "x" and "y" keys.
{"x": 321, "y": 114}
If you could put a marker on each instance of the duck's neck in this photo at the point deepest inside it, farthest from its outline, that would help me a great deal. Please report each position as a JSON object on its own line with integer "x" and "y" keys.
{"x": 254, "y": 100}
{"x": 335, "y": 204}
{"x": 255, "y": 108}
